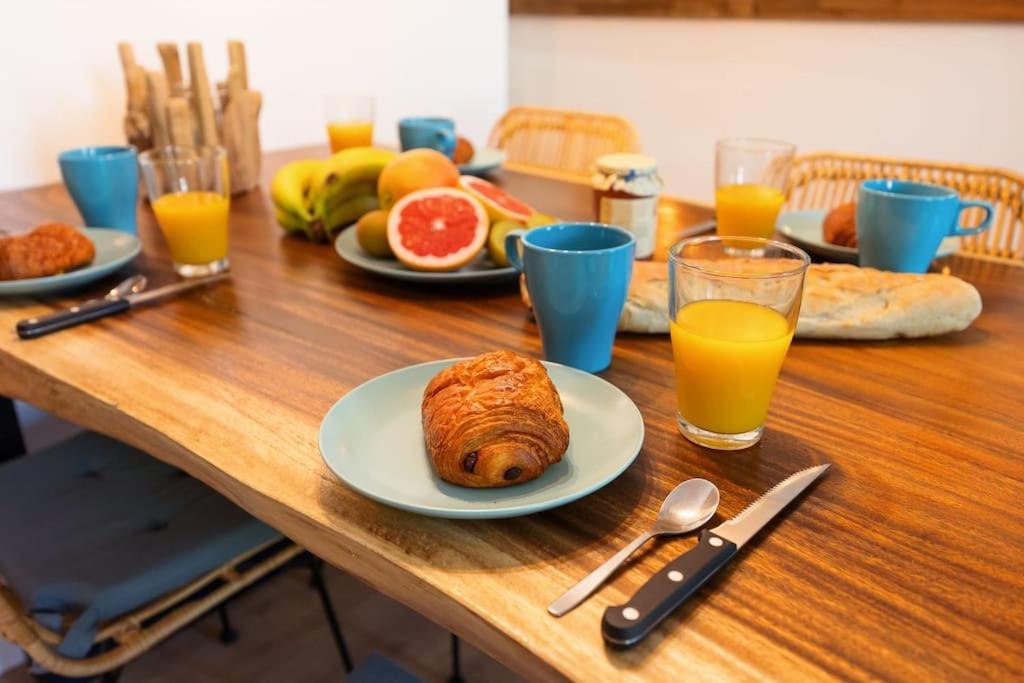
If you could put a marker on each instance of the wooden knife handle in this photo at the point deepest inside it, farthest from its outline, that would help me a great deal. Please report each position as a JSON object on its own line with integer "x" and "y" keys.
{"x": 179, "y": 122}
{"x": 626, "y": 625}
{"x": 172, "y": 67}
{"x": 202, "y": 97}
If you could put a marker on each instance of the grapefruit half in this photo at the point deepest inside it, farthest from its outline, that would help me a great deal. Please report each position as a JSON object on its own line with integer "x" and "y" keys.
{"x": 438, "y": 229}
{"x": 500, "y": 205}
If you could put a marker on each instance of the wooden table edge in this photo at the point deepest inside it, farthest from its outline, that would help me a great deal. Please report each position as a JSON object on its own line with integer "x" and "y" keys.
{"x": 23, "y": 382}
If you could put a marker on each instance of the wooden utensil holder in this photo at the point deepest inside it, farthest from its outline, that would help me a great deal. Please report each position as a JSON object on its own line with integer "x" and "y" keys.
{"x": 162, "y": 109}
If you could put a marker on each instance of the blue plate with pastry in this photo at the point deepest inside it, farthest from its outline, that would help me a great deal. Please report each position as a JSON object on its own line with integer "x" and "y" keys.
{"x": 497, "y": 435}
{"x": 53, "y": 257}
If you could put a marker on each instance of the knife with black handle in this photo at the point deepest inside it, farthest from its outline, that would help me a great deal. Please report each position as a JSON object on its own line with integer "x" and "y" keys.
{"x": 625, "y": 625}
{"x": 101, "y": 308}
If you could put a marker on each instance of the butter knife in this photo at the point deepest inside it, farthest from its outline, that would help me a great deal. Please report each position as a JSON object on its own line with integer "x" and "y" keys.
{"x": 109, "y": 305}
{"x": 625, "y": 625}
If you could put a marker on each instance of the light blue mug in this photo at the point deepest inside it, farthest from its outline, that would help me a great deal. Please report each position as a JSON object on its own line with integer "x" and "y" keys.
{"x": 900, "y": 224}
{"x": 578, "y": 277}
{"x": 430, "y": 132}
{"x": 104, "y": 182}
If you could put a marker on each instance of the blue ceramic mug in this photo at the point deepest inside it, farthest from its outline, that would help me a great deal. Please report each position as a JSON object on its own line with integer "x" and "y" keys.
{"x": 900, "y": 224}
{"x": 430, "y": 132}
{"x": 578, "y": 278}
{"x": 104, "y": 182}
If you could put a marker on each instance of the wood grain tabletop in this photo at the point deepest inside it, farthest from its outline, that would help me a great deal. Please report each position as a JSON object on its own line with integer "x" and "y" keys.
{"x": 902, "y": 563}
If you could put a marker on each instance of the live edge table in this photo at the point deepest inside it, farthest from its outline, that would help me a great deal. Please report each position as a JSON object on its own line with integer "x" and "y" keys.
{"x": 904, "y": 562}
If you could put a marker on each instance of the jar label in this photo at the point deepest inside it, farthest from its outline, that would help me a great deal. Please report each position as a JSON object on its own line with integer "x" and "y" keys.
{"x": 639, "y": 216}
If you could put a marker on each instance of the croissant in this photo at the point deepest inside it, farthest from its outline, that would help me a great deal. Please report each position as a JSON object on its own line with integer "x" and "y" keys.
{"x": 494, "y": 420}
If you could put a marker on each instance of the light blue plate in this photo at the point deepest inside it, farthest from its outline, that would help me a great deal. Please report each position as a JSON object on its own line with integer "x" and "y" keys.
{"x": 483, "y": 162}
{"x": 373, "y": 440}
{"x": 113, "y": 250}
{"x": 481, "y": 271}
{"x": 804, "y": 229}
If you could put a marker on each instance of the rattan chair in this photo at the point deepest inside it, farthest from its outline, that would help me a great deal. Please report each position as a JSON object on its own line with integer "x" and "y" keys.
{"x": 822, "y": 180}
{"x": 560, "y": 143}
{"x": 94, "y": 520}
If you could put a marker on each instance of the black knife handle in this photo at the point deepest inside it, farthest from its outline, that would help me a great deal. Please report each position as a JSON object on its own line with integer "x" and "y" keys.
{"x": 625, "y": 625}
{"x": 61, "y": 320}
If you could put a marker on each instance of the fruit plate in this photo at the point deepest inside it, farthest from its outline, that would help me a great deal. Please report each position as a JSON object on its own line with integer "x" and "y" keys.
{"x": 114, "y": 249}
{"x": 483, "y": 162}
{"x": 372, "y": 440}
{"x": 804, "y": 229}
{"x": 480, "y": 271}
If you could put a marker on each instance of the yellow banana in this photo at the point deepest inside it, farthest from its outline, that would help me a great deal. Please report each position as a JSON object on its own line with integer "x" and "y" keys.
{"x": 341, "y": 171}
{"x": 290, "y": 188}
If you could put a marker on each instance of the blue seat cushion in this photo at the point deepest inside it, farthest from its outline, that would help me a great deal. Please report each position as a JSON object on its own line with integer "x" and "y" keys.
{"x": 379, "y": 669}
{"x": 91, "y": 529}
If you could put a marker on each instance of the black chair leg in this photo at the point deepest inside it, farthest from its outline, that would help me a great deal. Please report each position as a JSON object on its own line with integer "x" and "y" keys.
{"x": 11, "y": 443}
{"x": 316, "y": 566}
{"x": 112, "y": 676}
{"x": 228, "y": 634}
{"x": 456, "y": 676}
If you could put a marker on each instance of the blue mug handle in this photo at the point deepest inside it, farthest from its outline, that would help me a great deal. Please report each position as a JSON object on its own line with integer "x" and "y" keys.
{"x": 446, "y": 139}
{"x": 514, "y": 248}
{"x": 964, "y": 232}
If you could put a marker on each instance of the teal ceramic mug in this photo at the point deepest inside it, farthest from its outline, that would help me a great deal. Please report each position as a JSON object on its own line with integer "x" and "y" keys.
{"x": 104, "y": 182}
{"x": 431, "y": 132}
{"x": 900, "y": 224}
{"x": 578, "y": 277}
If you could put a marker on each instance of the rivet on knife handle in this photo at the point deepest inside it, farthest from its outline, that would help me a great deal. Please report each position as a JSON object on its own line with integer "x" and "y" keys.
{"x": 625, "y": 625}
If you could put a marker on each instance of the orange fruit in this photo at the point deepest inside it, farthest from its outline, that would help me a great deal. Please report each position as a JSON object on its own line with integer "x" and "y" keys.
{"x": 417, "y": 169}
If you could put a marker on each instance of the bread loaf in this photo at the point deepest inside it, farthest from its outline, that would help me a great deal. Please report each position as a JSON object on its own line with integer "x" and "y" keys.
{"x": 839, "y": 302}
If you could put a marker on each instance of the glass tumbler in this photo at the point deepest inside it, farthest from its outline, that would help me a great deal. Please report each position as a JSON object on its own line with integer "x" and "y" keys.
{"x": 349, "y": 121}
{"x": 750, "y": 184}
{"x": 734, "y": 305}
{"x": 188, "y": 190}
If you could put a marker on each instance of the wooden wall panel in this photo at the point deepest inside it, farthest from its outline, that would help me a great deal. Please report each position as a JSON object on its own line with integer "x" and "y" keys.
{"x": 899, "y": 10}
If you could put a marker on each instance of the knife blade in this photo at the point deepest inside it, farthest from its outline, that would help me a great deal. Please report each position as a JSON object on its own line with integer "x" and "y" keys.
{"x": 95, "y": 309}
{"x": 625, "y": 625}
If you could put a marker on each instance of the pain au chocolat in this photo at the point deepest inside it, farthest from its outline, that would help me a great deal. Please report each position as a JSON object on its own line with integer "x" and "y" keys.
{"x": 493, "y": 420}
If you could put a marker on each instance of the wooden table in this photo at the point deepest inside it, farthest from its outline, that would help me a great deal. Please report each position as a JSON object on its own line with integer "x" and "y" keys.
{"x": 904, "y": 562}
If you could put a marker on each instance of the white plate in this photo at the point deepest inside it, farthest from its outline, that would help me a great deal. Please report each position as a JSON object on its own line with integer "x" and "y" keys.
{"x": 804, "y": 229}
{"x": 482, "y": 270}
{"x": 483, "y": 162}
{"x": 113, "y": 250}
{"x": 373, "y": 440}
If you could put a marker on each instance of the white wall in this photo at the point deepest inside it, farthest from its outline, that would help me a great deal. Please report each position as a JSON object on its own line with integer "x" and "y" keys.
{"x": 63, "y": 85}
{"x": 932, "y": 91}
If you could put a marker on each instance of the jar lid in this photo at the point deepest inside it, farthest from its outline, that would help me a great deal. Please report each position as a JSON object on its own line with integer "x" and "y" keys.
{"x": 624, "y": 163}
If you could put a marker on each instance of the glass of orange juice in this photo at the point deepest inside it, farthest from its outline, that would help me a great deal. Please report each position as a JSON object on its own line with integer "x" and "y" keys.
{"x": 349, "y": 121}
{"x": 734, "y": 304}
{"x": 750, "y": 185}
{"x": 188, "y": 190}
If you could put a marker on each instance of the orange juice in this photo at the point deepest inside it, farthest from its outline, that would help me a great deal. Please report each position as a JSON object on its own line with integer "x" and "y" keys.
{"x": 727, "y": 356}
{"x": 195, "y": 225}
{"x": 747, "y": 210}
{"x": 350, "y": 134}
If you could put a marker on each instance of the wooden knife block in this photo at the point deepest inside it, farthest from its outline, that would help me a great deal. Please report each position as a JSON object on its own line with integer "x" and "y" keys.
{"x": 162, "y": 109}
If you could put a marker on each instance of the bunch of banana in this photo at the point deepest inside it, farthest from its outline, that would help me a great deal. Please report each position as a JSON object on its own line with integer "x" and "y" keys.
{"x": 319, "y": 197}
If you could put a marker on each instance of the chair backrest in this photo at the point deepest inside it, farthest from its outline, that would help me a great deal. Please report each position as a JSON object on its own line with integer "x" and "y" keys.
{"x": 822, "y": 180}
{"x": 560, "y": 142}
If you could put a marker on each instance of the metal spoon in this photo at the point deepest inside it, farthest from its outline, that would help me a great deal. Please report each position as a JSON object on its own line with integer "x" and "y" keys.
{"x": 688, "y": 507}
{"x": 130, "y": 285}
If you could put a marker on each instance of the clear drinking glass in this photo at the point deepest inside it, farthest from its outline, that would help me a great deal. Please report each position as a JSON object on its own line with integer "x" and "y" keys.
{"x": 750, "y": 184}
{"x": 188, "y": 190}
{"x": 349, "y": 121}
{"x": 734, "y": 304}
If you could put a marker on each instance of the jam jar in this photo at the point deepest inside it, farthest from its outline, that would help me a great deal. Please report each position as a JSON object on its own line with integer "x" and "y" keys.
{"x": 626, "y": 189}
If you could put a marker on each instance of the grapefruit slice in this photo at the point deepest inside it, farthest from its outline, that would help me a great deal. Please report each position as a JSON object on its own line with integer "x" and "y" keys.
{"x": 500, "y": 205}
{"x": 438, "y": 229}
